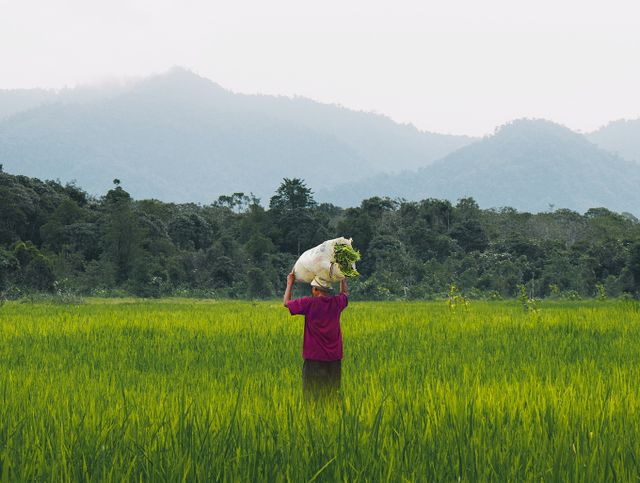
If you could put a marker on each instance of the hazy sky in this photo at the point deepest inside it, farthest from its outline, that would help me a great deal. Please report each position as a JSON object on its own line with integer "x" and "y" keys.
{"x": 459, "y": 66}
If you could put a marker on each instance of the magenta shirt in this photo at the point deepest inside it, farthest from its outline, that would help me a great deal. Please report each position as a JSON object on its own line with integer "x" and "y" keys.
{"x": 322, "y": 336}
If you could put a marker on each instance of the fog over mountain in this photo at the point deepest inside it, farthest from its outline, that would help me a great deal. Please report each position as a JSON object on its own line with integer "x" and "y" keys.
{"x": 181, "y": 137}
{"x": 17, "y": 100}
{"x": 532, "y": 165}
{"x": 621, "y": 137}
{"x": 14, "y": 101}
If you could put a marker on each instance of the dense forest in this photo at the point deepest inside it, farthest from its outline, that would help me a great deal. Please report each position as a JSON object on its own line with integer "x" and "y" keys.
{"x": 57, "y": 239}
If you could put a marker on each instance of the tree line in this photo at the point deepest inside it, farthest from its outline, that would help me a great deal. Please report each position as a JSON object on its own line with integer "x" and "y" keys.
{"x": 56, "y": 238}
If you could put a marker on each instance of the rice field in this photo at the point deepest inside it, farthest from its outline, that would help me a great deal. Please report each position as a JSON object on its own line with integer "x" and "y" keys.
{"x": 184, "y": 390}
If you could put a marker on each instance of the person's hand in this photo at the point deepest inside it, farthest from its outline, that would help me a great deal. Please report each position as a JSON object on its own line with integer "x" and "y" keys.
{"x": 291, "y": 278}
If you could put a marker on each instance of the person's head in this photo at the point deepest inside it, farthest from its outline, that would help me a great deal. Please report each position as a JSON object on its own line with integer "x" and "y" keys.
{"x": 320, "y": 292}
{"x": 319, "y": 289}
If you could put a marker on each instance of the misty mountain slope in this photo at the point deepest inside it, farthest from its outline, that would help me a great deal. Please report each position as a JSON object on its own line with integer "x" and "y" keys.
{"x": 527, "y": 164}
{"x": 180, "y": 137}
{"x": 17, "y": 100}
{"x": 621, "y": 137}
{"x": 387, "y": 145}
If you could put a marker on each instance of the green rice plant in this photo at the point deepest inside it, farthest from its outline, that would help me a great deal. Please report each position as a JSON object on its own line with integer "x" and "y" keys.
{"x": 528, "y": 304}
{"x": 455, "y": 299}
{"x": 197, "y": 390}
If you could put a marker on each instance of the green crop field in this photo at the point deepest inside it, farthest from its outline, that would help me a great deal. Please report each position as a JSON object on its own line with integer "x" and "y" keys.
{"x": 173, "y": 390}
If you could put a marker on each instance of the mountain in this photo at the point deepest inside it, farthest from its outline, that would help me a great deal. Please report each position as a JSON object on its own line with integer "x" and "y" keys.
{"x": 17, "y": 100}
{"x": 180, "y": 137}
{"x": 13, "y": 101}
{"x": 621, "y": 137}
{"x": 527, "y": 164}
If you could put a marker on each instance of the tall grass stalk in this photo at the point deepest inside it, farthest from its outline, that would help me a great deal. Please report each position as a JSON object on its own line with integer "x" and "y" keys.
{"x": 191, "y": 390}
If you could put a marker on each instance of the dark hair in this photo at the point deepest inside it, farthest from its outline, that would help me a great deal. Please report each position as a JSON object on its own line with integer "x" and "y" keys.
{"x": 322, "y": 289}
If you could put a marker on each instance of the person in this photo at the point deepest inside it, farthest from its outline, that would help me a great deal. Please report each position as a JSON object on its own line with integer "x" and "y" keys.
{"x": 322, "y": 341}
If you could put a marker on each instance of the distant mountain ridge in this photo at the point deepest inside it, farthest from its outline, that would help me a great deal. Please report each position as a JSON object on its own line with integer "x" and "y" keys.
{"x": 18, "y": 100}
{"x": 621, "y": 137}
{"x": 181, "y": 137}
{"x": 14, "y": 101}
{"x": 530, "y": 165}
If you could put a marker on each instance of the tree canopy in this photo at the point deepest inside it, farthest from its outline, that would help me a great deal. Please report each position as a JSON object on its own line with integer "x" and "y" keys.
{"x": 56, "y": 237}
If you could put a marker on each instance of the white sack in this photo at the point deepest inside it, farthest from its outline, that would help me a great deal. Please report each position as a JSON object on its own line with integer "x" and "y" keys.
{"x": 319, "y": 262}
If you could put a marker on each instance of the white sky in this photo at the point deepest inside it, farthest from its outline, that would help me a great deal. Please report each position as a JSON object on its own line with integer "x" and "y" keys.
{"x": 458, "y": 66}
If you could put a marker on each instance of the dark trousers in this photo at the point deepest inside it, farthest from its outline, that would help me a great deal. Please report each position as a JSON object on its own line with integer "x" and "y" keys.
{"x": 321, "y": 378}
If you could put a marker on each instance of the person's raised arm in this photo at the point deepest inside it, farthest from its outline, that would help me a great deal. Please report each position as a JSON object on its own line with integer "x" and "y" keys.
{"x": 343, "y": 287}
{"x": 287, "y": 292}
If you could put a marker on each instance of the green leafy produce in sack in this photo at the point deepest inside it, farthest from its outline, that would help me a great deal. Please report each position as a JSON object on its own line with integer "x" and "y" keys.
{"x": 345, "y": 256}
